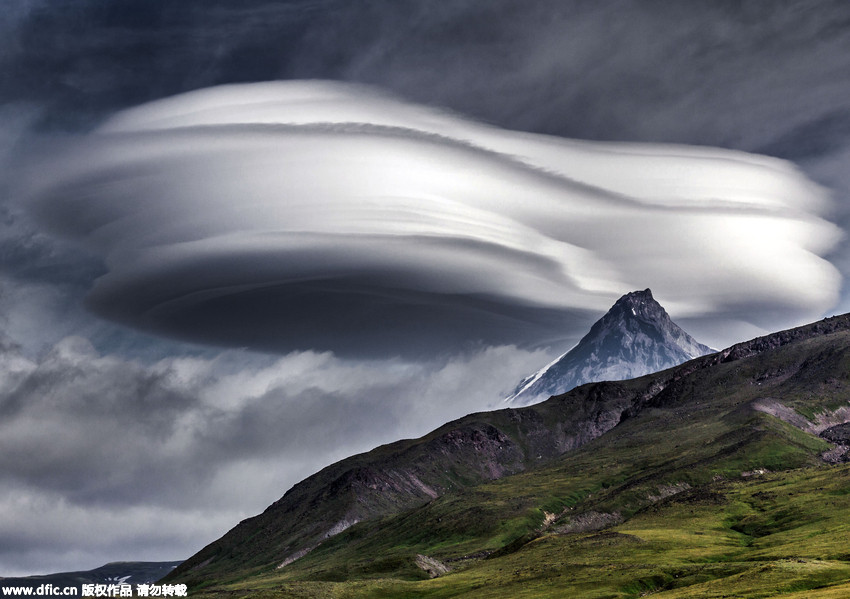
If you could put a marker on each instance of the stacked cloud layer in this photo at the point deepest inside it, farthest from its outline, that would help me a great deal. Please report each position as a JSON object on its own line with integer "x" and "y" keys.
{"x": 320, "y": 215}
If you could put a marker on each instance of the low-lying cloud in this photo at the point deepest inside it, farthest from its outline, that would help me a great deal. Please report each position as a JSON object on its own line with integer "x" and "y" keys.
{"x": 105, "y": 459}
{"x": 318, "y": 215}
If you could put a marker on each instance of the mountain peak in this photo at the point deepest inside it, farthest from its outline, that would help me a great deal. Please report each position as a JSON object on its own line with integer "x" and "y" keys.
{"x": 640, "y": 303}
{"x": 636, "y": 297}
{"x": 635, "y": 337}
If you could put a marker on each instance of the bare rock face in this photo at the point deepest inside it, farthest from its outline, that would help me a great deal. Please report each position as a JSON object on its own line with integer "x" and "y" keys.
{"x": 433, "y": 567}
{"x": 636, "y": 337}
{"x": 839, "y": 433}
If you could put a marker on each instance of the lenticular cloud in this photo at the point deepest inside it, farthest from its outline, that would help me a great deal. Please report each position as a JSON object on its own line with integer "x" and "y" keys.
{"x": 328, "y": 216}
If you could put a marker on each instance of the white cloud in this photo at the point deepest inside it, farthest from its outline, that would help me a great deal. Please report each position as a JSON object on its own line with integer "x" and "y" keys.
{"x": 300, "y": 215}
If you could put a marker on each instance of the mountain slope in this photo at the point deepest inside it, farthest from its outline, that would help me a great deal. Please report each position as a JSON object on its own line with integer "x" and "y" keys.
{"x": 635, "y": 337}
{"x": 405, "y": 474}
{"x": 714, "y": 418}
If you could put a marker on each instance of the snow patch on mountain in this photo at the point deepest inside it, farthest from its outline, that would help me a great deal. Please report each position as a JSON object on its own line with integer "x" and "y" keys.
{"x": 530, "y": 380}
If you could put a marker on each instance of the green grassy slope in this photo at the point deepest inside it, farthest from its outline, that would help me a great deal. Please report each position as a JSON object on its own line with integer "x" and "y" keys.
{"x": 697, "y": 492}
{"x": 780, "y": 534}
{"x": 402, "y": 475}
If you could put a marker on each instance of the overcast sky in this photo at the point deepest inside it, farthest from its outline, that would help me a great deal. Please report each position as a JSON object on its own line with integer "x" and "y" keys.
{"x": 242, "y": 240}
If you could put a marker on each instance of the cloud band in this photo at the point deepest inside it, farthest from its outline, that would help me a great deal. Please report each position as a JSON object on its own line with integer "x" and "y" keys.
{"x": 319, "y": 215}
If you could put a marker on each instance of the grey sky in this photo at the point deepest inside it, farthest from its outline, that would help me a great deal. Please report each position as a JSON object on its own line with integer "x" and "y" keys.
{"x": 104, "y": 459}
{"x": 106, "y": 436}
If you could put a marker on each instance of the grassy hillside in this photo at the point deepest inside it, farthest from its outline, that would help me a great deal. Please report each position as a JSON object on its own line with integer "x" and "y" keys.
{"x": 406, "y": 474}
{"x": 712, "y": 484}
{"x": 776, "y": 534}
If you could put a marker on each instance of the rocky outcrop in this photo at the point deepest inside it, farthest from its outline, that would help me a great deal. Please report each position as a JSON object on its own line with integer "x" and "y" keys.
{"x": 432, "y": 567}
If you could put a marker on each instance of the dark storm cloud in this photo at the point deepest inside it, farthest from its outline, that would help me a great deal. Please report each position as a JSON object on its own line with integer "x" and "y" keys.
{"x": 42, "y": 279}
{"x": 28, "y": 254}
{"x": 730, "y": 74}
{"x": 84, "y": 58}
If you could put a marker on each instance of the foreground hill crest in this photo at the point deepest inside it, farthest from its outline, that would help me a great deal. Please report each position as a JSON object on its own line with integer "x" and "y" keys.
{"x": 635, "y": 337}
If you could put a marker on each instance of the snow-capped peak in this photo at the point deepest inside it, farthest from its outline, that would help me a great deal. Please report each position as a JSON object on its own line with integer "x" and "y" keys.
{"x": 635, "y": 337}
